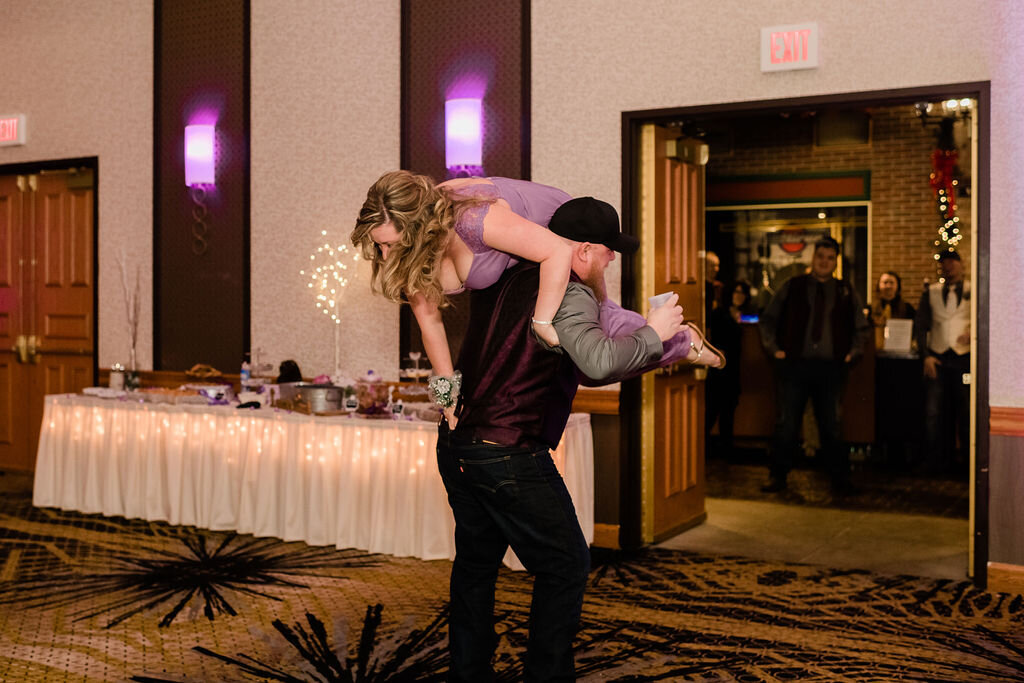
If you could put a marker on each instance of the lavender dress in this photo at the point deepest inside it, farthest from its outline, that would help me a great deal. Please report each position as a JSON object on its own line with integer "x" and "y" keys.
{"x": 532, "y": 201}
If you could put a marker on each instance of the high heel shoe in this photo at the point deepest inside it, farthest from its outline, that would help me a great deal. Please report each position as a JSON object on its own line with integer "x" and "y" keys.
{"x": 704, "y": 344}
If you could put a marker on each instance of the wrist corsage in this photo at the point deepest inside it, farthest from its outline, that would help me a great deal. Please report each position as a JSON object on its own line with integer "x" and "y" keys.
{"x": 444, "y": 391}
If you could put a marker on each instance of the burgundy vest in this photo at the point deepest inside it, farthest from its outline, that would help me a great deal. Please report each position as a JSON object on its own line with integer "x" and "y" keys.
{"x": 514, "y": 391}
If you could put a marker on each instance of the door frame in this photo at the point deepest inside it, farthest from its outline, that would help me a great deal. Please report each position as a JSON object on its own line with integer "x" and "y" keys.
{"x": 630, "y": 464}
{"x": 93, "y": 164}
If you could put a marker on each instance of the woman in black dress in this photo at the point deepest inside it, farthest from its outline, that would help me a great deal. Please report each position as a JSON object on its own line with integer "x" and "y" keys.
{"x": 723, "y": 387}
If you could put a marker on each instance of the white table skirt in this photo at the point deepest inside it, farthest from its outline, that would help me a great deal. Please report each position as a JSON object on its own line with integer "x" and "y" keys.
{"x": 342, "y": 481}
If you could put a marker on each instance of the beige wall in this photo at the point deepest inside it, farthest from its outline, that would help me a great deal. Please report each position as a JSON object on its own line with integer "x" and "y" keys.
{"x": 83, "y": 75}
{"x": 325, "y": 125}
{"x": 594, "y": 59}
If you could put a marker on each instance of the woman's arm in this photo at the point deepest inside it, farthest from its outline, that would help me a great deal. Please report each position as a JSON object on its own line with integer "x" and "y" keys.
{"x": 435, "y": 343}
{"x": 435, "y": 340}
{"x": 506, "y": 231}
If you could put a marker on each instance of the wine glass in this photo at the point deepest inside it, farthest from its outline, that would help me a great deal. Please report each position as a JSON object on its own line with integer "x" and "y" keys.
{"x": 415, "y": 357}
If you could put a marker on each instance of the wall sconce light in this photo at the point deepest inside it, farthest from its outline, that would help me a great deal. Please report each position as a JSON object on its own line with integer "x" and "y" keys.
{"x": 200, "y": 144}
{"x": 463, "y": 136}
{"x": 200, "y": 163}
{"x": 934, "y": 112}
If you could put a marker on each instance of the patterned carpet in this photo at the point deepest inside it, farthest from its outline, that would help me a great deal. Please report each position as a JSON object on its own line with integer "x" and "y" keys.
{"x": 87, "y": 598}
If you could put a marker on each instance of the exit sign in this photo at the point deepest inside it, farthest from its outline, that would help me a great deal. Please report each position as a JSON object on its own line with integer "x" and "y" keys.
{"x": 784, "y": 48}
{"x": 12, "y": 130}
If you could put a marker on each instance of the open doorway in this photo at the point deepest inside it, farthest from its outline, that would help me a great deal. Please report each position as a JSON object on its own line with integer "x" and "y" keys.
{"x": 865, "y": 169}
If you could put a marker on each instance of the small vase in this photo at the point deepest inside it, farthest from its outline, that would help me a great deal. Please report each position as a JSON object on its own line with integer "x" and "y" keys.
{"x": 131, "y": 375}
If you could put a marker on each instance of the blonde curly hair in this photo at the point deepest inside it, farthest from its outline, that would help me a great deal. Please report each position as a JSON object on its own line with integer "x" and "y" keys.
{"x": 424, "y": 216}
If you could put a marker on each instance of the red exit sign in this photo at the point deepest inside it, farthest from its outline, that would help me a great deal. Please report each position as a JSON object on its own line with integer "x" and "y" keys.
{"x": 789, "y": 47}
{"x": 12, "y": 130}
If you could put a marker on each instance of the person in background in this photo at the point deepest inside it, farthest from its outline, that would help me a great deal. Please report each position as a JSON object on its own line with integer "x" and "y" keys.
{"x": 943, "y": 330}
{"x": 889, "y": 305}
{"x": 712, "y": 286}
{"x": 814, "y": 327}
{"x": 723, "y": 388}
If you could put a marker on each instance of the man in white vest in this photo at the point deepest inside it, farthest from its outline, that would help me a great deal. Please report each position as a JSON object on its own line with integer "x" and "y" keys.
{"x": 943, "y": 328}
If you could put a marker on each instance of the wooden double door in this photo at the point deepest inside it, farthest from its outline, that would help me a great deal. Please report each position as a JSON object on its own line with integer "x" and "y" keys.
{"x": 47, "y": 281}
{"x": 672, "y": 412}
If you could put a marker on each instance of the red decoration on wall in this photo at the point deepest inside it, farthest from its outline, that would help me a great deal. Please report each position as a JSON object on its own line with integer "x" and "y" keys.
{"x": 793, "y": 242}
{"x": 941, "y": 178}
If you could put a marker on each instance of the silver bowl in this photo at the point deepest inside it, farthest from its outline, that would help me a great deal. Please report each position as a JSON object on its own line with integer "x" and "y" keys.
{"x": 321, "y": 398}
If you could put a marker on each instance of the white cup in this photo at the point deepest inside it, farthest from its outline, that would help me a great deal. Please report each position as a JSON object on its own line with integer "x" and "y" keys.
{"x": 659, "y": 300}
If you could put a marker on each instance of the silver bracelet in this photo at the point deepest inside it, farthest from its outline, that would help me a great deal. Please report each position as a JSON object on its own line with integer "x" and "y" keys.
{"x": 540, "y": 322}
{"x": 444, "y": 391}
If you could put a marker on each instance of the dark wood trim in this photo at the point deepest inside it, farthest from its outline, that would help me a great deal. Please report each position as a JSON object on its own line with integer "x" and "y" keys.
{"x": 606, "y": 536}
{"x": 27, "y": 167}
{"x": 795, "y": 183}
{"x": 596, "y": 402}
{"x": 167, "y": 379}
{"x": 525, "y": 75}
{"x": 630, "y": 474}
{"x": 873, "y": 97}
{"x": 680, "y": 528}
{"x": 1003, "y": 578}
{"x": 760, "y": 177}
{"x": 155, "y": 237}
{"x": 405, "y": 324}
{"x": 95, "y": 165}
{"x": 982, "y": 235}
{"x": 405, "y": 69}
{"x": 981, "y": 90}
{"x": 1006, "y": 421}
{"x": 247, "y": 185}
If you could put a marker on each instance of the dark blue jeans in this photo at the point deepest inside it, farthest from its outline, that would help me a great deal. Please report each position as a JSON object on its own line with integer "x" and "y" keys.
{"x": 821, "y": 381}
{"x": 505, "y": 497}
{"x": 947, "y": 413}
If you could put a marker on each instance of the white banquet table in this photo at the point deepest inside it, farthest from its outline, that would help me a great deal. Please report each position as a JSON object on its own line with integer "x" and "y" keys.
{"x": 344, "y": 481}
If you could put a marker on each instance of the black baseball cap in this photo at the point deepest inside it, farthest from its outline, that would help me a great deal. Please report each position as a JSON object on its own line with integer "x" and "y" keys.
{"x": 586, "y": 219}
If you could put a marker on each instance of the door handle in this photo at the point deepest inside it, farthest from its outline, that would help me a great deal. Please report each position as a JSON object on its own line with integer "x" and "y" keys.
{"x": 21, "y": 348}
{"x": 34, "y": 348}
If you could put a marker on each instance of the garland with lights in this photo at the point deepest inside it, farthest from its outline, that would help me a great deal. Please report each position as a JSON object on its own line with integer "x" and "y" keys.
{"x": 329, "y": 272}
{"x": 944, "y": 184}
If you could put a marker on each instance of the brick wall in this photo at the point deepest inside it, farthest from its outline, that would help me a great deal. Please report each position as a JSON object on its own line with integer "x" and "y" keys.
{"x": 904, "y": 216}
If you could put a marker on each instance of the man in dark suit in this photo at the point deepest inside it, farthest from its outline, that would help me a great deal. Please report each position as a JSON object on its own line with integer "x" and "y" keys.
{"x": 814, "y": 327}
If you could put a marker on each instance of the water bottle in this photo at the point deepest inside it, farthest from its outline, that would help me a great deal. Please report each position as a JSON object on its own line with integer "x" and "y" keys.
{"x": 245, "y": 373}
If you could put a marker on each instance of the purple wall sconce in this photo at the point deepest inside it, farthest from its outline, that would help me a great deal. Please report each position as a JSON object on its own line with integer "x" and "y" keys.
{"x": 200, "y": 143}
{"x": 463, "y": 137}
{"x": 200, "y": 164}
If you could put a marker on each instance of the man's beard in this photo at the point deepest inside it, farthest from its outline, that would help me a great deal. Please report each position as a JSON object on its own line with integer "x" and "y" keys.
{"x": 595, "y": 280}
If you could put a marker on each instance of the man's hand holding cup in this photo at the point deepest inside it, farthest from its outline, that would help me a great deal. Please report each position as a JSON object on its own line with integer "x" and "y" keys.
{"x": 666, "y": 315}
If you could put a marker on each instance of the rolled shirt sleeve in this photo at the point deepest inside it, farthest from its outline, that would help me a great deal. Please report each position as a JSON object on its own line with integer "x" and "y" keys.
{"x": 596, "y": 355}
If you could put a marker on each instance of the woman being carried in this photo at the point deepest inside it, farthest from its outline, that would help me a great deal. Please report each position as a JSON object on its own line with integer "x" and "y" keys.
{"x": 426, "y": 241}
